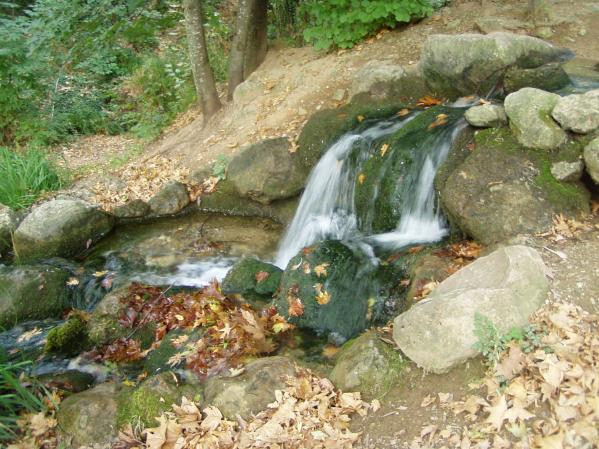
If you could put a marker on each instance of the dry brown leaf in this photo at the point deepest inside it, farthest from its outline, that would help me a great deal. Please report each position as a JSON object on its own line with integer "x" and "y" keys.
{"x": 262, "y": 276}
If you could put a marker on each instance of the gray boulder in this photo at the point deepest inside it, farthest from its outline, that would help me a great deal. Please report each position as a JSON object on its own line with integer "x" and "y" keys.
{"x": 32, "y": 293}
{"x": 368, "y": 365}
{"x": 578, "y": 112}
{"x": 89, "y": 418}
{"x": 591, "y": 159}
{"x": 60, "y": 228}
{"x": 267, "y": 171}
{"x": 9, "y": 221}
{"x": 549, "y": 77}
{"x": 567, "y": 171}
{"x": 507, "y": 287}
{"x": 474, "y": 63}
{"x": 251, "y": 391}
{"x": 171, "y": 199}
{"x": 529, "y": 111}
{"x": 133, "y": 209}
{"x": 380, "y": 80}
{"x": 486, "y": 116}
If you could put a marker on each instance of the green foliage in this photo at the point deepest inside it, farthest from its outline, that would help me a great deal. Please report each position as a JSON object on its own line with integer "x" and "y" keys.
{"x": 491, "y": 344}
{"x": 287, "y": 19}
{"x": 24, "y": 176}
{"x": 342, "y": 23}
{"x": 14, "y": 398}
{"x": 219, "y": 168}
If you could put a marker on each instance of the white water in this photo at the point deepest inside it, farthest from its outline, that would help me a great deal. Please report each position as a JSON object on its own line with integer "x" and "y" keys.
{"x": 326, "y": 210}
{"x": 193, "y": 273}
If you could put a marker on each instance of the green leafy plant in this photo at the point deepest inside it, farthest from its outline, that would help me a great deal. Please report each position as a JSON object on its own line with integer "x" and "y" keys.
{"x": 342, "y": 23}
{"x": 219, "y": 168}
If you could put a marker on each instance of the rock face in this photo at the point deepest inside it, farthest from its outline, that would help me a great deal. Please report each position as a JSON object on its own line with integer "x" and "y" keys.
{"x": 486, "y": 116}
{"x": 380, "y": 80}
{"x": 32, "y": 293}
{"x": 473, "y": 63}
{"x": 591, "y": 159}
{"x": 567, "y": 171}
{"x": 267, "y": 171}
{"x": 60, "y": 228}
{"x": 507, "y": 287}
{"x": 8, "y": 224}
{"x": 549, "y": 77}
{"x": 252, "y": 391}
{"x": 367, "y": 365}
{"x": 501, "y": 190}
{"x": 578, "y": 113}
{"x": 529, "y": 111}
{"x": 171, "y": 199}
{"x": 253, "y": 278}
{"x": 89, "y": 418}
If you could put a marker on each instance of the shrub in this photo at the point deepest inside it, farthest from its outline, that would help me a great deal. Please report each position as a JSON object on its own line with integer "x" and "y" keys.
{"x": 24, "y": 176}
{"x": 342, "y": 23}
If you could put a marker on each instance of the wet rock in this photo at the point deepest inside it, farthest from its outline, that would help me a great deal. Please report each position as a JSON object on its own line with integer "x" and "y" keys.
{"x": 426, "y": 269}
{"x": 382, "y": 80}
{"x": 158, "y": 360}
{"x": 69, "y": 338}
{"x": 486, "y": 116}
{"x": 32, "y": 292}
{"x": 267, "y": 171}
{"x": 368, "y": 365}
{"x": 89, "y": 418}
{"x": 474, "y": 63}
{"x": 71, "y": 380}
{"x": 501, "y": 190}
{"x": 60, "y": 228}
{"x": 567, "y": 171}
{"x": 9, "y": 221}
{"x": 548, "y": 77}
{"x": 133, "y": 209}
{"x": 507, "y": 287}
{"x": 529, "y": 111}
{"x": 251, "y": 391}
{"x": 578, "y": 113}
{"x": 591, "y": 159}
{"x": 154, "y": 396}
{"x": 171, "y": 199}
{"x": 253, "y": 278}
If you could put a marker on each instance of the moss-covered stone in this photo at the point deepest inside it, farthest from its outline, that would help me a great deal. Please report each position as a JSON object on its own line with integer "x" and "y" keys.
{"x": 157, "y": 360}
{"x": 244, "y": 278}
{"x": 368, "y": 365}
{"x": 155, "y": 395}
{"x": 550, "y": 77}
{"x": 69, "y": 338}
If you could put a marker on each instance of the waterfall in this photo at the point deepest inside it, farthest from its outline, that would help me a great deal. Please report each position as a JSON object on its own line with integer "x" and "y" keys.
{"x": 327, "y": 209}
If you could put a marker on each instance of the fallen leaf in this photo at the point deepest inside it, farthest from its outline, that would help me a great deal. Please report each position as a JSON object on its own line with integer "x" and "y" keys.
{"x": 361, "y": 178}
{"x": 403, "y": 112}
{"x": 323, "y": 297}
{"x": 262, "y": 276}
{"x": 72, "y": 282}
{"x": 296, "y": 308}
{"x": 428, "y": 101}
{"x": 321, "y": 270}
{"x": 384, "y": 149}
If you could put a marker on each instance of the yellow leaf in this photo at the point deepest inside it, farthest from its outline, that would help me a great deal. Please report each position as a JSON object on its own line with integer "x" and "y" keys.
{"x": 323, "y": 298}
{"x": 403, "y": 112}
{"x": 277, "y": 328}
{"x": 100, "y": 274}
{"x": 361, "y": 178}
{"x": 128, "y": 383}
{"x": 180, "y": 317}
{"x": 321, "y": 270}
{"x": 384, "y": 149}
{"x": 73, "y": 281}
{"x": 360, "y": 118}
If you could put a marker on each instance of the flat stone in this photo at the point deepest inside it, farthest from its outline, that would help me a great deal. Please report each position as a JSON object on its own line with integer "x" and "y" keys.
{"x": 171, "y": 199}
{"x": 486, "y": 116}
{"x": 579, "y": 112}
{"x": 567, "y": 171}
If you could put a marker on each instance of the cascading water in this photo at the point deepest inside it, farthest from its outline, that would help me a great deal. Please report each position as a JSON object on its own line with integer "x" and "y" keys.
{"x": 327, "y": 208}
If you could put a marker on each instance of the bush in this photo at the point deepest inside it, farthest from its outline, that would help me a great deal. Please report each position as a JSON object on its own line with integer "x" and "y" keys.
{"x": 24, "y": 176}
{"x": 342, "y": 23}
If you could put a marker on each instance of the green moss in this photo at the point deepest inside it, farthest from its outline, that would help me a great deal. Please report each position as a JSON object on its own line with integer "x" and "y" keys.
{"x": 565, "y": 196}
{"x": 157, "y": 360}
{"x": 242, "y": 279}
{"x": 69, "y": 338}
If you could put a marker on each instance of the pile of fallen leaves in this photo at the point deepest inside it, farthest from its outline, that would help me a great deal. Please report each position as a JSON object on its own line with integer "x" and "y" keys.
{"x": 231, "y": 331}
{"x": 38, "y": 430}
{"x": 309, "y": 414}
{"x": 547, "y": 398}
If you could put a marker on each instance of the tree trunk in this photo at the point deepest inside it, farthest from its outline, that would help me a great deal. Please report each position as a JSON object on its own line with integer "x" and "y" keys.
{"x": 198, "y": 55}
{"x": 249, "y": 44}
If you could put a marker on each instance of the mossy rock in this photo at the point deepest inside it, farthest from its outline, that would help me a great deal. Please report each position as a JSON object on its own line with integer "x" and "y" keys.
{"x": 158, "y": 360}
{"x": 550, "y": 77}
{"x": 368, "y": 365}
{"x": 69, "y": 338}
{"x": 154, "y": 396}
{"x": 502, "y": 189}
{"x": 387, "y": 179}
{"x": 243, "y": 278}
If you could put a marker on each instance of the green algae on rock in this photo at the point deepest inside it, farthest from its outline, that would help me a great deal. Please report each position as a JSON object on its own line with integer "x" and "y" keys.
{"x": 70, "y": 338}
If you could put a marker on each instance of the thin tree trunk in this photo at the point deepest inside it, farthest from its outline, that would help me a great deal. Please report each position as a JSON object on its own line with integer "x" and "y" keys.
{"x": 249, "y": 44}
{"x": 198, "y": 55}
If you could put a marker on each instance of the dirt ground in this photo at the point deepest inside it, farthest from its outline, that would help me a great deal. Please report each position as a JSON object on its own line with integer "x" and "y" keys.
{"x": 292, "y": 83}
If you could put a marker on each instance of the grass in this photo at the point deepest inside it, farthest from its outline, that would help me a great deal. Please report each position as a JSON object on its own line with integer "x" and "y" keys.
{"x": 14, "y": 398}
{"x": 24, "y": 176}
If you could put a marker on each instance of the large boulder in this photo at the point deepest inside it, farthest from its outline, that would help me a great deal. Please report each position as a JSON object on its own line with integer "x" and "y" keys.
{"x": 172, "y": 198}
{"x": 578, "y": 112}
{"x": 549, "y": 77}
{"x": 60, "y": 228}
{"x": 591, "y": 159}
{"x": 506, "y": 287}
{"x": 464, "y": 64}
{"x": 529, "y": 111}
{"x": 32, "y": 293}
{"x": 368, "y": 365}
{"x": 9, "y": 221}
{"x": 501, "y": 190}
{"x": 267, "y": 171}
{"x": 486, "y": 116}
{"x": 251, "y": 391}
{"x": 89, "y": 418}
{"x": 253, "y": 278}
{"x": 380, "y": 80}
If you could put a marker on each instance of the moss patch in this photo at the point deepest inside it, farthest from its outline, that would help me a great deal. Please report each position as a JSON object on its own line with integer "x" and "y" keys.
{"x": 69, "y": 338}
